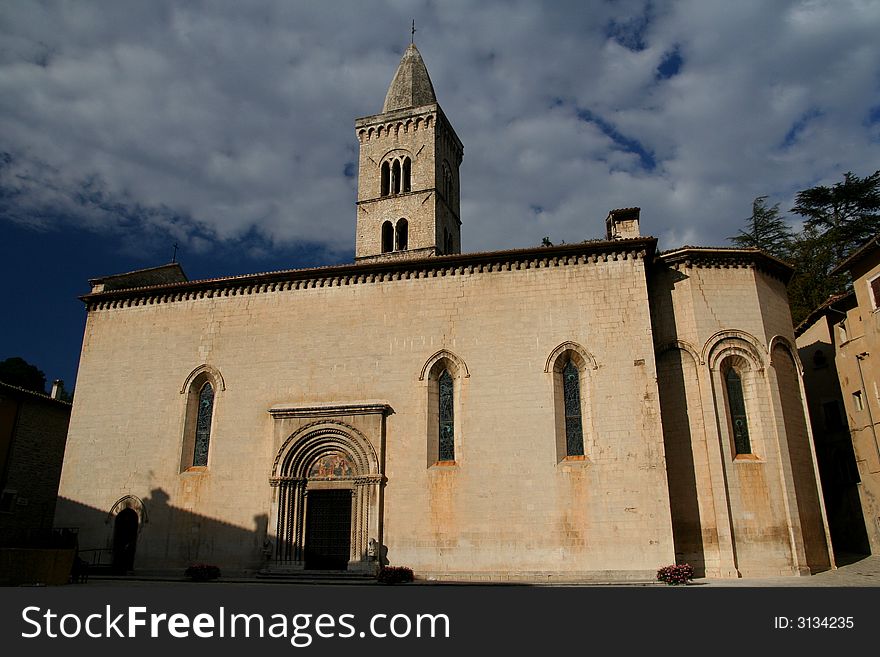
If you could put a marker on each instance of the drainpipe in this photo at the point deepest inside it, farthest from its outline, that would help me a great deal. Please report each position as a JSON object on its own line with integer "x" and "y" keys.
{"x": 859, "y": 358}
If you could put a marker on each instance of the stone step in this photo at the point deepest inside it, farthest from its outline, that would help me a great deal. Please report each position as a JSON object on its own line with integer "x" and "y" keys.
{"x": 282, "y": 574}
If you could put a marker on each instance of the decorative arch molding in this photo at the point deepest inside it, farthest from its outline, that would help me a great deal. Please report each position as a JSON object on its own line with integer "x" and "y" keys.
{"x": 733, "y": 341}
{"x": 311, "y": 441}
{"x": 680, "y": 345}
{"x": 448, "y": 355}
{"x": 211, "y": 372}
{"x": 132, "y": 502}
{"x": 785, "y": 343}
{"x": 396, "y": 152}
{"x": 570, "y": 346}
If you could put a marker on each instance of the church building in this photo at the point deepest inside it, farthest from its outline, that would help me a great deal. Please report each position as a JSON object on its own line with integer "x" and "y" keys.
{"x": 589, "y": 411}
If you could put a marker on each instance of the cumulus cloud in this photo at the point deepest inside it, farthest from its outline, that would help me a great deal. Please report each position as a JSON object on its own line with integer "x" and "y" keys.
{"x": 218, "y": 121}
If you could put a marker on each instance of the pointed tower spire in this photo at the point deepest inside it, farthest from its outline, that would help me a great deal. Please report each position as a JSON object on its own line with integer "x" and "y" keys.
{"x": 411, "y": 86}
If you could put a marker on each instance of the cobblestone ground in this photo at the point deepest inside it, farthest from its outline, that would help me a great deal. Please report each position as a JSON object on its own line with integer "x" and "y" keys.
{"x": 864, "y": 572}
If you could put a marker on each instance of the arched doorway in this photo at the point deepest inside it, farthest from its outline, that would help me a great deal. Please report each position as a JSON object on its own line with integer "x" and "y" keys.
{"x": 125, "y": 532}
{"x": 326, "y": 506}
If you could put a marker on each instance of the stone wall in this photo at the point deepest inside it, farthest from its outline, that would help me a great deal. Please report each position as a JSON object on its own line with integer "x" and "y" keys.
{"x": 747, "y": 514}
{"x": 506, "y": 505}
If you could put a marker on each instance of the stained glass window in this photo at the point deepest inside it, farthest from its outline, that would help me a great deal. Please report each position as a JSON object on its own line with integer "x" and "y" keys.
{"x": 203, "y": 425}
{"x": 447, "y": 430}
{"x": 571, "y": 392}
{"x": 737, "y": 409}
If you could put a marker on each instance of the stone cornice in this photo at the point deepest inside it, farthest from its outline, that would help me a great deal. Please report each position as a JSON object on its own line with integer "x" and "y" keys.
{"x": 584, "y": 253}
{"x": 371, "y": 407}
{"x": 726, "y": 258}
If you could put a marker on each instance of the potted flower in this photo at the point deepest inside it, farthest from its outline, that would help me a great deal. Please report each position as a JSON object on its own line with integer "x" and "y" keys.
{"x": 676, "y": 574}
{"x": 202, "y": 572}
{"x": 395, "y": 575}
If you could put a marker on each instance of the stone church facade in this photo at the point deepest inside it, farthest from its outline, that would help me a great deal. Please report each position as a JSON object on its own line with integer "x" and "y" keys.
{"x": 585, "y": 411}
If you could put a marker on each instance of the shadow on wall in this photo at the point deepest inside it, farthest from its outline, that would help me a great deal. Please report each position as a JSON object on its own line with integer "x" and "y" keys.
{"x": 151, "y": 533}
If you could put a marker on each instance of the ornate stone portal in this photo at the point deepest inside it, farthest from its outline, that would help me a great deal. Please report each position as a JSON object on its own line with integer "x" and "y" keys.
{"x": 322, "y": 451}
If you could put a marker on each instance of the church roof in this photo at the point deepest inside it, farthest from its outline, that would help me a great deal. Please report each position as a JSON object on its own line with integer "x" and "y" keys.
{"x": 726, "y": 256}
{"x": 367, "y": 272}
{"x": 411, "y": 86}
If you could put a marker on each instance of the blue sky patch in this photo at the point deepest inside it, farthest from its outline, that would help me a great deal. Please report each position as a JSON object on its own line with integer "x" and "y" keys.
{"x": 797, "y": 128}
{"x": 624, "y": 143}
{"x": 670, "y": 65}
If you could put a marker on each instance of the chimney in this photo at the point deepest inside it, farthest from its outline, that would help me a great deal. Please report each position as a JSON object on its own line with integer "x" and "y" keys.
{"x": 57, "y": 389}
{"x": 622, "y": 223}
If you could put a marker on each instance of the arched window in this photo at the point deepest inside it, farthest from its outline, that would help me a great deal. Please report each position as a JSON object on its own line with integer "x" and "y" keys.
{"x": 203, "y": 425}
{"x": 444, "y": 374}
{"x": 406, "y": 174}
{"x": 449, "y": 246}
{"x": 446, "y": 183}
{"x": 387, "y": 237}
{"x": 572, "y": 369}
{"x": 446, "y": 417}
{"x": 395, "y": 177}
{"x": 201, "y": 390}
{"x": 386, "y": 178}
{"x": 402, "y": 230}
{"x": 736, "y": 408}
{"x": 574, "y": 433}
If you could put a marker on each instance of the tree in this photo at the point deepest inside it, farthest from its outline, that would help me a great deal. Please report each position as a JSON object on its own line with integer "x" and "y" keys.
{"x": 848, "y": 213}
{"x": 814, "y": 257}
{"x": 765, "y": 230}
{"x": 18, "y": 372}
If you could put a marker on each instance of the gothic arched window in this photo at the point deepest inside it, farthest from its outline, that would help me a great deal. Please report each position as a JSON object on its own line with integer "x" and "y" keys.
{"x": 446, "y": 417}
{"x": 203, "y": 425}
{"x": 572, "y": 367}
{"x": 444, "y": 375}
{"x": 201, "y": 391}
{"x": 387, "y": 237}
{"x": 571, "y": 392}
{"x": 736, "y": 408}
{"x": 402, "y": 230}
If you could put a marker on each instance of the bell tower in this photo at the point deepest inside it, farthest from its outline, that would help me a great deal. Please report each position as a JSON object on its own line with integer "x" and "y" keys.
{"x": 408, "y": 184}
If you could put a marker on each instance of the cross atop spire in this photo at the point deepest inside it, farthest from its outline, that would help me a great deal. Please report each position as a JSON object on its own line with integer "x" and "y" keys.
{"x": 412, "y": 38}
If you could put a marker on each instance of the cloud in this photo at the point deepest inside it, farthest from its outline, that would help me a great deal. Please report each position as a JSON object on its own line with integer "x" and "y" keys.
{"x": 224, "y": 123}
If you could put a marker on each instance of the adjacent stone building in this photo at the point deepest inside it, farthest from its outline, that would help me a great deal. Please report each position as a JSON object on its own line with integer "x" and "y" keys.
{"x": 585, "y": 411}
{"x": 33, "y": 431}
{"x": 839, "y": 342}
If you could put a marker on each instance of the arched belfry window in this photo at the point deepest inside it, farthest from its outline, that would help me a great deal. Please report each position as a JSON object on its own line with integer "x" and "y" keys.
{"x": 387, "y": 237}
{"x": 574, "y": 432}
{"x": 736, "y": 407}
{"x": 402, "y": 234}
{"x": 446, "y": 417}
{"x": 447, "y": 187}
{"x": 201, "y": 392}
{"x": 395, "y": 177}
{"x": 203, "y": 425}
{"x": 406, "y": 172}
{"x": 386, "y": 179}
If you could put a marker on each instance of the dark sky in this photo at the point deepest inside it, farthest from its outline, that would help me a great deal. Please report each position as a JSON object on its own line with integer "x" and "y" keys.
{"x": 228, "y": 128}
